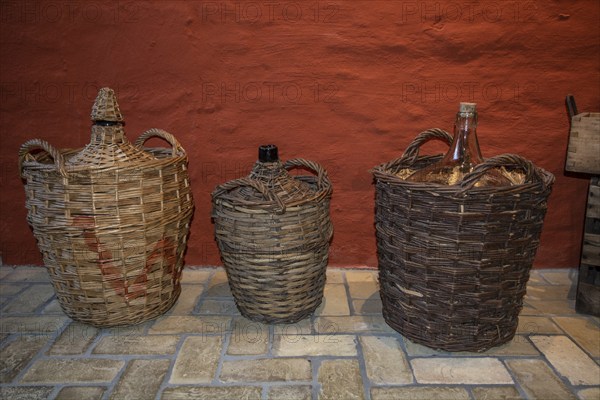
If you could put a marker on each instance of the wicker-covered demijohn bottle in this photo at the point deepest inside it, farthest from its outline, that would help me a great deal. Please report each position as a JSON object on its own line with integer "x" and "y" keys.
{"x": 273, "y": 230}
{"x": 111, "y": 220}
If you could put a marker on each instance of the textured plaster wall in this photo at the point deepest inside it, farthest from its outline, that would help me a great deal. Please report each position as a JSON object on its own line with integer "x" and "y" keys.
{"x": 344, "y": 83}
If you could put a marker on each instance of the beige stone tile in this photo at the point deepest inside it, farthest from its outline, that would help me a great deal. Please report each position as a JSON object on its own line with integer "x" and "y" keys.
{"x": 585, "y": 332}
{"x": 58, "y": 371}
{"x": 353, "y": 324}
{"x": 364, "y": 290}
{"x": 369, "y": 307}
{"x": 553, "y": 307}
{"x": 560, "y": 277}
{"x": 196, "y": 275}
{"x": 527, "y": 310}
{"x": 519, "y": 346}
{"x": 248, "y": 338}
{"x": 304, "y": 327}
{"x": 536, "y": 278}
{"x": 548, "y": 292}
{"x": 4, "y": 271}
{"x": 141, "y": 345}
{"x": 335, "y": 301}
{"x": 32, "y": 324}
{"x": 385, "y": 361}
{"x": 266, "y": 370}
{"x": 191, "y": 324}
{"x": 17, "y": 354}
{"x": 538, "y": 381}
{"x": 187, "y": 300}
{"x": 53, "y": 308}
{"x": 470, "y": 371}
{"x": 340, "y": 379}
{"x": 75, "y": 339}
{"x": 30, "y": 299}
{"x": 354, "y": 276}
{"x": 531, "y": 324}
{"x": 219, "y": 306}
{"x": 28, "y": 274}
{"x": 80, "y": 393}
{"x": 219, "y": 285}
{"x": 314, "y": 345}
{"x": 589, "y": 394}
{"x": 335, "y": 275}
{"x": 568, "y": 359}
{"x": 290, "y": 393}
{"x": 141, "y": 380}
{"x": 496, "y": 393}
{"x": 10, "y": 289}
{"x": 197, "y": 360}
{"x": 419, "y": 393}
{"x": 25, "y": 392}
{"x": 212, "y": 393}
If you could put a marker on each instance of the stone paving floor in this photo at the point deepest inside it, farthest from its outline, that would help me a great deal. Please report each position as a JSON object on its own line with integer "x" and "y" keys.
{"x": 203, "y": 349}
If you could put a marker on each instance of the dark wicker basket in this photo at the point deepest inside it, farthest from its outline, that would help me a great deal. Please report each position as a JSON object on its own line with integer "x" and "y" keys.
{"x": 273, "y": 231}
{"x": 454, "y": 261}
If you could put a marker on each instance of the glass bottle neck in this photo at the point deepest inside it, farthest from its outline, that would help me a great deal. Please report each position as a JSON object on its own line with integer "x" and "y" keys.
{"x": 465, "y": 147}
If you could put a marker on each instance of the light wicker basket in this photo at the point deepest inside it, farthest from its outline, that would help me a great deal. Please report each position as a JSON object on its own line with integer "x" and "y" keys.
{"x": 273, "y": 231}
{"x": 111, "y": 220}
{"x": 454, "y": 261}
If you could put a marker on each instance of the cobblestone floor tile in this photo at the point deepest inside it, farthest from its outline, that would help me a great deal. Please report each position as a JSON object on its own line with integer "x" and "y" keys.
{"x": 30, "y": 299}
{"x": 471, "y": 371}
{"x": 266, "y": 370}
{"x": 314, "y": 345}
{"x": 303, "y": 327}
{"x": 290, "y": 393}
{"x": 141, "y": 379}
{"x": 496, "y": 393}
{"x": 10, "y": 289}
{"x": 585, "y": 332}
{"x": 335, "y": 301}
{"x": 219, "y": 306}
{"x": 519, "y": 346}
{"x": 4, "y": 271}
{"x": 334, "y": 276}
{"x": 195, "y": 275}
{"x": 589, "y": 394}
{"x": 536, "y": 278}
{"x": 548, "y": 292}
{"x": 352, "y": 324}
{"x": 25, "y": 393}
{"x": 139, "y": 345}
{"x": 420, "y": 393}
{"x": 568, "y": 359}
{"x": 191, "y": 325}
{"x": 340, "y": 380}
{"x": 197, "y": 360}
{"x": 538, "y": 381}
{"x": 17, "y": 354}
{"x": 32, "y": 324}
{"x": 81, "y": 393}
{"x": 248, "y": 338}
{"x": 554, "y": 307}
{"x": 560, "y": 277}
{"x": 364, "y": 290}
{"x": 369, "y": 306}
{"x": 385, "y": 361}
{"x": 28, "y": 274}
{"x": 75, "y": 339}
{"x": 73, "y": 370}
{"x": 219, "y": 285}
{"x": 354, "y": 276}
{"x": 53, "y": 308}
{"x": 187, "y": 300}
{"x": 212, "y": 393}
{"x": 530, "y": 324}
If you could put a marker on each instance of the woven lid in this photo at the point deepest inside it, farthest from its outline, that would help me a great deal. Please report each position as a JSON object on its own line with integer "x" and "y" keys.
{"x": 108, "y": 145}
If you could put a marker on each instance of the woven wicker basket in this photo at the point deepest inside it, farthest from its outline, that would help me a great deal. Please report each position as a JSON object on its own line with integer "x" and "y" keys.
{"x": 111, "y": 220}
{"x": 273, "y": 231}
{"x": 454, "y": 261}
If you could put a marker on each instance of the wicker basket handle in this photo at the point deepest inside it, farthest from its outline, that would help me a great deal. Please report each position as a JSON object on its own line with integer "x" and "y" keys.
{"x": 38, "y": 144}
{"x": 502, "y": 160}
{"x": 154, "y": 132}
{"x": 412, "y": 150}
{"x": 257, "y": 185}
{"x": 322, "y": 177}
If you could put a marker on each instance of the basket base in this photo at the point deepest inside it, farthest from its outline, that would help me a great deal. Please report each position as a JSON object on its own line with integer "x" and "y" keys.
{"x": 279, "y": 319}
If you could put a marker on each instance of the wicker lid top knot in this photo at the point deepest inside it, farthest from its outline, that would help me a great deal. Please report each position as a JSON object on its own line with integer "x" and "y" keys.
{"x": 106, "y": 107}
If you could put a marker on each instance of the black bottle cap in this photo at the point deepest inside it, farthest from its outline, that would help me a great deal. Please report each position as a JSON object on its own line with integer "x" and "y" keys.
{"x": 267, "y": 153}
{"x": 108, "y": 123}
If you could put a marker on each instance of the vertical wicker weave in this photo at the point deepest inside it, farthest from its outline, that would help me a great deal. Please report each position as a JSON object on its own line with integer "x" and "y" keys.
{"x": 111, "y": 220}
{"x": 273, "y": 231}
{"x": 454, "y": 261}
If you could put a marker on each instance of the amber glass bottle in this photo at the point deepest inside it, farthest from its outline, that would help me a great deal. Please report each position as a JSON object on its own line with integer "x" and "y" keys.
{"x": 464, "y": 154}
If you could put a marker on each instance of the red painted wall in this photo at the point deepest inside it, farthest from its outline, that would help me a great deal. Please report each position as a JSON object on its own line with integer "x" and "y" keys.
{"x": 345, "y": 83}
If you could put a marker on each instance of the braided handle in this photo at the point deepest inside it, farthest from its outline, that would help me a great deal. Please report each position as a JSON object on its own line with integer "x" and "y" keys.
{"x": 154, "y": 132}
{"x": 322, "y": 177}
{"x": 412, "y": 150}
{"x": 502, "y": 160}
{"x": 38, "y": 144}
{"x": 257, "y": 185}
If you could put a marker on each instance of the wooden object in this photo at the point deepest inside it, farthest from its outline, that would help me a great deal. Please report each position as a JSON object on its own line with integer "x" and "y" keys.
{"x": 583, "y": 153}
